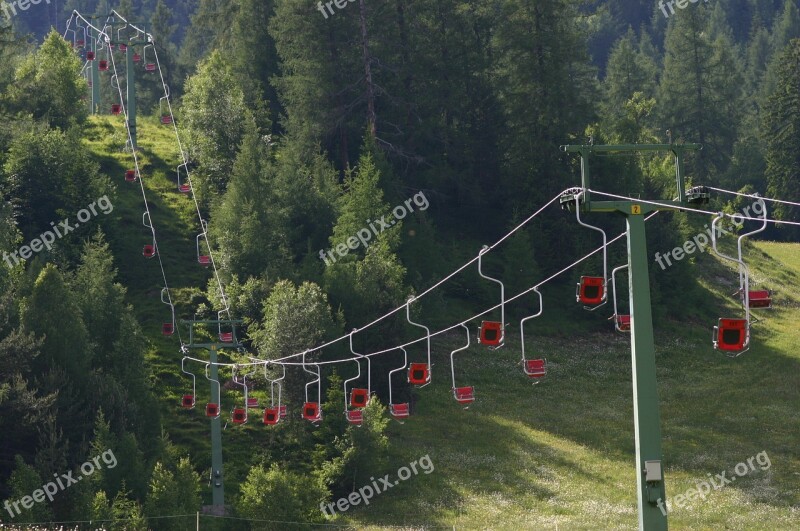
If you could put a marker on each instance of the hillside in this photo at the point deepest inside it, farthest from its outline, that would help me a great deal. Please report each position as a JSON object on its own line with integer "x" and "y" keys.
{"x": 556, "y": 454}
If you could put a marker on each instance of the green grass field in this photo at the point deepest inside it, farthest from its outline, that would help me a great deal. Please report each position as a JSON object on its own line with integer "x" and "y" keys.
{"x": 557, "y": 455}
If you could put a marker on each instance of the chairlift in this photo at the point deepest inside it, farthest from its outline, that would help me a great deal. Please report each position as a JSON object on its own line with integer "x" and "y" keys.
{"x": 419, "y": 373}
{"x": 116, "y": 109}
{"x": 203, "y": 259}
{"x": 239, "y": 414}
{"x": 224, "y": 337}
{"x": 166, "y": 115}
{"x": 130, "y": 176}
{"x": 591, "y": 291}
{"x": 492, "y": 333}
{"x": 186, "y": 187}
{"x": 535, "y": 368}
{"x": 188, "y": 401}
{"x": 311, "y": 410}
{"x": 622, "y": 323}
{"x": 168, "y": 328}
{"x": 360, "y": 396}
{"x": 756, "y": 298}
{"x": 732, "y": 336}
{"x": 150, "y": 249}
{"x": 90, "y": 56}
{"x": 399, "y": 410}
{"x": 212, "y": 408}
{"x": 275, "y": 412}
{"x": 463, "y": 395}
{"x": 102, "y": 65}
{"x": 137, "y": 58}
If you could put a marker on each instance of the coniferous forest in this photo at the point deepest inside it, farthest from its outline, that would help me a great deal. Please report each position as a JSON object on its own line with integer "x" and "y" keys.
{"x": 307, "y": 182}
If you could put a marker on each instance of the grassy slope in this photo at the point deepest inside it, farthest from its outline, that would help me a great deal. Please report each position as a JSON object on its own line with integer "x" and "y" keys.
{"x": 559, "y": 454}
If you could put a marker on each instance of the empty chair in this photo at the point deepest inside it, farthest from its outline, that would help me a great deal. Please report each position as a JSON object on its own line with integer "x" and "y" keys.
{"x": 312, "y": 412}
{"x": 271, "y": 416}
{"x": 464, "y": 395}
{"x": 167, "y": 329}
{"x": 399, "y": 411}
{"x": 90, "y": 56}
{"x": 536, "y": 368}
{"x": 355, "y": 416}
{"x": 239, "y": 415}
{"x": 149, "y": 251}
{"x": 226, "y": 337}
{"x": 731, "y": 335}
{"x": 130, "y": 176}
{"x": 252, "y": 403}
{"x": 623, "y": 323}
{"x": 359, "y": 397}
{"x": 116, "y": 108}
{"x": 166, "y": 119}
{"x": 137, "y": 58}
{"x": 491, "y": 333}
{"x": 212, "y": 410}
{"x": 419, "y": 374}
{"x": 102, "y": 65}
{"x": 760, "y": 299}
{"x": 591, "y": 290}
{"x": 150, "y": 67}
{"x": 282, "y": 411}
{"x": 187, "y": 401}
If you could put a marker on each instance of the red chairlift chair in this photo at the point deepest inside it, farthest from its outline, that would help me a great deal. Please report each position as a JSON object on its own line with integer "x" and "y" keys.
{"x": 311, "y": 410}
{"x": 419, "y": 373}
{"x": 188, "y": 400}
{"x": 533, "y": 368}
{"x": 463, "y": 395}
{"x": 102, "y": 65}
{"x": 492, "y": 333}
{"x": 399, "y": 410}
{"x": 116, "y": 109}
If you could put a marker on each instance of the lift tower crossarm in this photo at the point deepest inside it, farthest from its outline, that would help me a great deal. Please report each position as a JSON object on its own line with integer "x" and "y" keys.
{"x": 651, "y": 492}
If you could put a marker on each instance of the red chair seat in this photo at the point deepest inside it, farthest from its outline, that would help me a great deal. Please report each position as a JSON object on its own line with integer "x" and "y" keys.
{"x": 731, "y": 335}
{"x": 212, "y": 410}
{"x": 166, "y": 119}
{"x": 271, "y": 416}
{"x": 167, "y": 329}
{"x": 80, "y": 42}
{"x": 491, "y": 333}
{"x": 148, "y": 251}
{"x": 116, "y": 108}
{"x": 591, "y": 290}
{"x": 239, "y": 415}
{"x": 355, "y": 416}
{"x": 204, "y": 260}
{"x": 90, "y": 56}
{"x": 252, "y": 403}
{"x": 123, "y": 48}
{"x": 624, "y": 322}
{"x": 399, "y": 411}
{"x": 130, "y": 175}
{"x": 419, "y": 374}
{"x": 187, "y": 401}
{"x": 137, "y": 58}
{"x": 536, "y": 368}
{"x": 150, "y": 67}
{"x": 184, "y": 188}
{"x": 282, "y": 410}
{"x": 102, "y": 65}
{"x": 464, "y": 395}
{"x": 760, "y": 299}
{"x": 312, "y": 412}
{"x": 226, "y": 337}
{"x": 359, "y": 397}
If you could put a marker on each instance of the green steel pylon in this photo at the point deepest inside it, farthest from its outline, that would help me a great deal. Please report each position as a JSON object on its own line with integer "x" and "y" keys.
{"x": 217, "y": 469}
{"x": 647, "y": 427}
